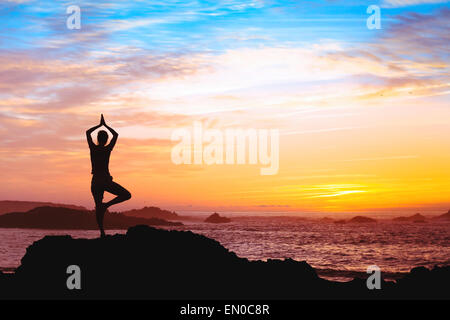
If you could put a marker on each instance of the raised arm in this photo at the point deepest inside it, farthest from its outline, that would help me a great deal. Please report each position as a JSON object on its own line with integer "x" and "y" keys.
{"x": 115, "y": 135}
{"x": 88, "y": 134}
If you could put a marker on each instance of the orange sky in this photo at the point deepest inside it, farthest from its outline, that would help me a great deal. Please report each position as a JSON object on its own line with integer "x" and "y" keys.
{"x": 363, "y": 126}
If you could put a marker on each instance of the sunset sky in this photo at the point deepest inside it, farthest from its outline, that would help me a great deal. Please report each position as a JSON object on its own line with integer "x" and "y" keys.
{"x": 363, "y": 115}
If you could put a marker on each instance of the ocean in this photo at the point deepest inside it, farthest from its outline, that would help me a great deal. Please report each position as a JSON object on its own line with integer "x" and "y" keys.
{"x": 337, "y": 251}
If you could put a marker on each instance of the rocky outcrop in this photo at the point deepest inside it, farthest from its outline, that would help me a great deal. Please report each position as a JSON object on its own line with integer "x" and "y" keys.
{"x": 445, "y": 216}
{"x": 357, "y": 219}
{"x": 216, "y": 218}
{"x": 71, "y": 219}
{"x": 361, "y": 219}
{"x": 152, "y": 212}
{"x": 159, "y": 264}
{"x": 7, "y": 206}
{"x": 414, "y": 218}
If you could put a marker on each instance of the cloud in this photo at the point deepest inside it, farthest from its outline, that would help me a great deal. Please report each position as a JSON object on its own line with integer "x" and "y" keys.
{"x": 404, "y": 3}
{"x": 19, "y": 1}
{"x": 383, "y": 158}
{"x": 54, "y": 86}
{"x": 420, "y": 37}
{"x": 417, "y": 43}
{"x": 60, "y": 83}
{"x": 148, "y": 88}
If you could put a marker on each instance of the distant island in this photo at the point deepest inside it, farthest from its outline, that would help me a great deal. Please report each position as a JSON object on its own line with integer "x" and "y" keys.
{"x": 73, "y": 219}
{"x": 361, "y": 219}
{"x": 216, "y": 218}
{"x": 357, "y": 219}
{"x": 149, "y": 263}
{"x": 7, "y": 206}
{"x": 414, "y": 218}
{"x": 445, "y": 216}
{"x": 419, "y": 218}
{"x": 152, "y": 212}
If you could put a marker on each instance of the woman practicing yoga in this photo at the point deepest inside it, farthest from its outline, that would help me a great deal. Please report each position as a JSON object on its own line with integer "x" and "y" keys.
{"x": 101, "y": 178}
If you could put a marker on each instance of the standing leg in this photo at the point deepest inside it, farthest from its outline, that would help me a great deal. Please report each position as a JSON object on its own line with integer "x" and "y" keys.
{"x": 116, "y": 189}
{"x": 100, "y": 208}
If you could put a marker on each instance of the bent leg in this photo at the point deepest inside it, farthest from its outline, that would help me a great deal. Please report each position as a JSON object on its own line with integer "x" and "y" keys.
{"x": 121, "y": 193}
{"x": 100, "y": 209}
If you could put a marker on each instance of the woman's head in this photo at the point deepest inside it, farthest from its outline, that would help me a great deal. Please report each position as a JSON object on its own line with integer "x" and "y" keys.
{"x": 102, "y": 137}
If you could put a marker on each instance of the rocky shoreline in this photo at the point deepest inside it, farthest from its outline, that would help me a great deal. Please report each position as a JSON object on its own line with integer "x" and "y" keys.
{"x": 150, "y": 263}
{"x": 59, "y": 218}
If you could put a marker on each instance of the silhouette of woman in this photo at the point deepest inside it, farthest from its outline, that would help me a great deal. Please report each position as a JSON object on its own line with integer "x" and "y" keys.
{"x": 101, "y": 178}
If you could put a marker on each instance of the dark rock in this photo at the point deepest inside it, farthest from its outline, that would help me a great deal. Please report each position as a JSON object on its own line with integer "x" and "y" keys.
{"x": 216, "y": 218}
{"x": 149, "y": 263}
{"x": 23, "y": 206}
{"x": 361, "y": 219}
{"x": 153, "y": 263}
{"x": 71, "y": 219}
{"x": 152, "y": 212}
{"x": 426, "y": 283}
{"x": 445, "y": 216}
{"x": 414, "y": 218}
